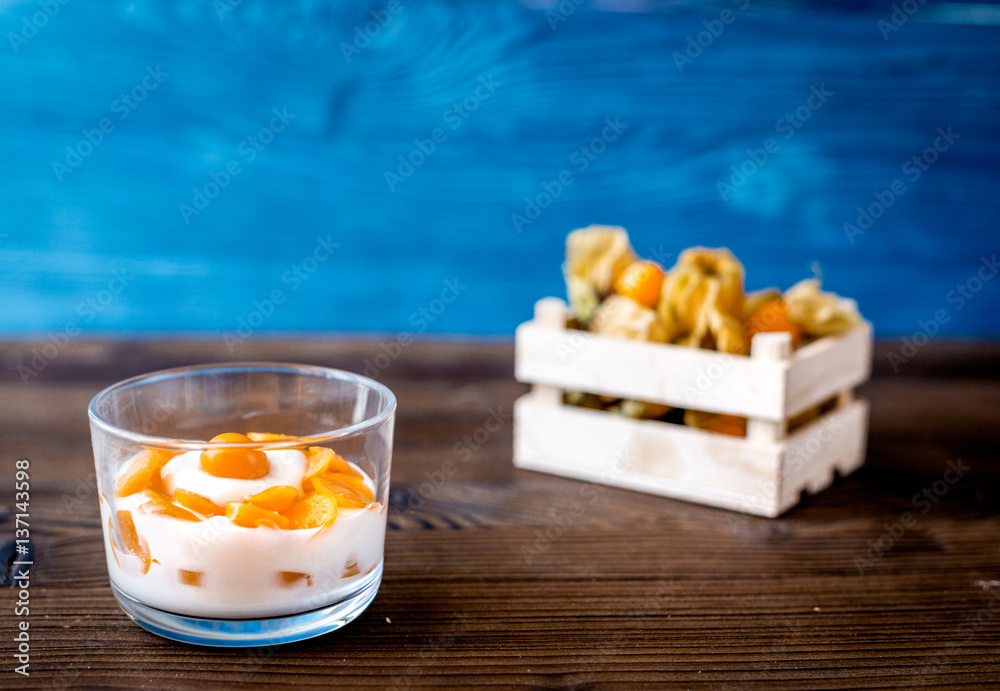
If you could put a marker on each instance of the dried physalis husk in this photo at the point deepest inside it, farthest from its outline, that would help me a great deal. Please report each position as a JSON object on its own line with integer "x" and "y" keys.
{"x": 595, "y": 257}
{"x": 726, "y": 332}
{"x": 623, "y": 317}
{"x": 701, "y": 304}
{"x": 820, "y": 313}
{"x": 584, "y": 400}
{"x": 643, "y": 410}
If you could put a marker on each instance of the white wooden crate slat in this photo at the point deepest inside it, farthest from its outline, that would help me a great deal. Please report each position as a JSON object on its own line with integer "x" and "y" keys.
{"x": 688, "y": 463}
{"x": 835, "y": 441}
{"x": 821, "y": 369}
{"x": 671, "y": 460}
{"x": 654, "y": 372}
{"x": 690, "y": 377}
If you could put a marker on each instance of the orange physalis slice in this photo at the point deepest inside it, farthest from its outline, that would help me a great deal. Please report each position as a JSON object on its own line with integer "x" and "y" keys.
{"x": 141, "y": 471}
{"x": 322, "y": 459}
{"x": 269, "y": 436}
{"x": 242, "y": 464}
{"x": 189, "y": 577}
{"x": 250, "y": 516}
{"x": 132, "y": 542}
{"x": 170, "y": 511}
{"x": 157, "y": 496}
{"x": 342, "y": 467}
{"x": 275, "y": 498}
{"x": 315, "y": 511}
{"x": 350, "y": 568}
{"x": 350, "y": 492}
{"x": 289, "y": 578}
{"x": 160, "y": 504}
{"x": 198, "y": 503}
{"x": 156, "y": 482}
{"x": 642, "y": 281}
{"x": 114, "y": 545}
{"x": 318, "y": 460}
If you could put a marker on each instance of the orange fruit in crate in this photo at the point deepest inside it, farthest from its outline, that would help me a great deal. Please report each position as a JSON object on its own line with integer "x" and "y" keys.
{"x": 642, "y": 281}
{"x": 772, "y": 316}
{"x": 719, "y": 423}
{"x": 243, "y": 464}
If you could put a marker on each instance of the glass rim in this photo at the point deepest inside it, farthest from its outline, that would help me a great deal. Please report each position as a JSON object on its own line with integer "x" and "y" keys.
{"x": 143, "y": 439}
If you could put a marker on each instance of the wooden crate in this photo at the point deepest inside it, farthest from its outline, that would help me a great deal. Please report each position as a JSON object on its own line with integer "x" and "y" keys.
{"x": 763, "y": 474}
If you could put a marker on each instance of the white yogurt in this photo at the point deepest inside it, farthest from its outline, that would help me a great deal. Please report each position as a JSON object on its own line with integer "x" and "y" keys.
{"x": 215, "y": 568}
{"x": 287, "y": 467}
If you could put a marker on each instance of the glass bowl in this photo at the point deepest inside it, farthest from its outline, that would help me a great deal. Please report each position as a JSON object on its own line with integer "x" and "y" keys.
{"x": 270, "y": 534}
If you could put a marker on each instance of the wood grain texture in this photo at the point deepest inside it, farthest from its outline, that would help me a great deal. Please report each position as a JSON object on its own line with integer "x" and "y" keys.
{"x": 504, "y": 578}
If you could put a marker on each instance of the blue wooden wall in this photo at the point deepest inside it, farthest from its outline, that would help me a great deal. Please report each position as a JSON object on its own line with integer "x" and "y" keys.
{"x": 375, "y": 166}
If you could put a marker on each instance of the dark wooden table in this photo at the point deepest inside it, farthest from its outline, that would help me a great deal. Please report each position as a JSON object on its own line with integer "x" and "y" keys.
{"x": 638, "y": 592}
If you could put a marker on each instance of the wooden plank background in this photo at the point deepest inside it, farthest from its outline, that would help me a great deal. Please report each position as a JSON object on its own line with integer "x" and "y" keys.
{"x": 557, "y": 82}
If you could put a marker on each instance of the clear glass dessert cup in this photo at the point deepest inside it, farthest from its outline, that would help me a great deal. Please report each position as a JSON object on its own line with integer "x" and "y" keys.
{"x": 248, "y": 540}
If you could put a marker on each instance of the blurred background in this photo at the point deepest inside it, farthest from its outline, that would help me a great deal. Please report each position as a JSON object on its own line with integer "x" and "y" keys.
{"x": 251, "y": 168}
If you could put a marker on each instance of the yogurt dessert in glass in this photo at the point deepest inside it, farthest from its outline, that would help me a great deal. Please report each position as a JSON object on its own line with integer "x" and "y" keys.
{"x": 243, "y": 504}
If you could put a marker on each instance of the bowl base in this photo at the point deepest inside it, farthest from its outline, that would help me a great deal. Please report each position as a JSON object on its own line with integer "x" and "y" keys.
{"x": 244, "y": 633}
